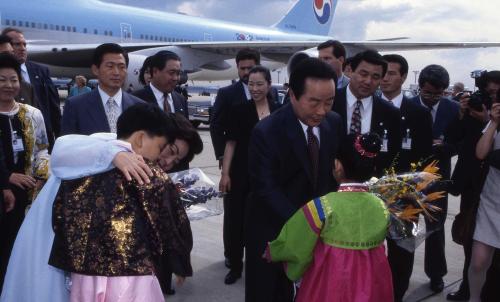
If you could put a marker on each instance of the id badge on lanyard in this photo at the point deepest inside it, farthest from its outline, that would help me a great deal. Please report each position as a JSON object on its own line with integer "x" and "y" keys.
{"x": 17, "y": 142}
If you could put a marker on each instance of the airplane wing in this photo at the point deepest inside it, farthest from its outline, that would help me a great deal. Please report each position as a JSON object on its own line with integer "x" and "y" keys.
{"x": 65, "y": 54}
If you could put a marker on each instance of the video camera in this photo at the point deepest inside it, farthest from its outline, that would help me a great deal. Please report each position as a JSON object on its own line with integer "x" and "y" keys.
{"x": 479, "y": 97}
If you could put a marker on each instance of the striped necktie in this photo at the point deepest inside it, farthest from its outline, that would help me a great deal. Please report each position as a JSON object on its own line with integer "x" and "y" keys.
{"x": 356, "y": 119}
{"x": 112, "y": 114}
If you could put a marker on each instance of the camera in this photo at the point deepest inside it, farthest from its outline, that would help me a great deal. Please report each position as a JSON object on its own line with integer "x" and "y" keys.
{"x": 480, "y": 97}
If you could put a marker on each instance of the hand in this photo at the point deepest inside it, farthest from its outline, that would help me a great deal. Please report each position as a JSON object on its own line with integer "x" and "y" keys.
{"x": 495, "y": 113}
{"x": 22, "y": 181}
{"x": 9, "y": 200}
{"x": 179, "y": 280}
{"x": 132, "y": 165}
{"x": 481, "y": 116}
{"x": 225, "y": 183}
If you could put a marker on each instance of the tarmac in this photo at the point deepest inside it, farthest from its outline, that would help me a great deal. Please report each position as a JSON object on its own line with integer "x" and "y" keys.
{"x": 207, "y": 283}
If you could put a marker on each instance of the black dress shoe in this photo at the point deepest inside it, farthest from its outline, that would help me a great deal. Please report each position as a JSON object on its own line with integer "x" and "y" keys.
{"x": 232, "y": 277}
{"x": 437, "y": 285}
{"x": 459, "y": 295}
{"x": 170, "y": 292}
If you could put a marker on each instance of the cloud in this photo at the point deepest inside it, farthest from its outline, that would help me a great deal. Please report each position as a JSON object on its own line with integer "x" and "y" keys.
{"x": 422, "y": 20}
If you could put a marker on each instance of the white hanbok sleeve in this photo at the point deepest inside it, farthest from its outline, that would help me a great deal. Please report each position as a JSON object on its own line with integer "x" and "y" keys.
{"x": 75, "y": 156}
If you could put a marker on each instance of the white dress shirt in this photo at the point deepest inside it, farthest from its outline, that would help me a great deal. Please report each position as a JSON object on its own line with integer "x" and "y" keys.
{"x": 160, "y": 98}
{"x": 315, "y": 131}
{"x": 105, "y": 97}
{"x": 365, "y": 110}
{"x": 396, "y": 101}
{"x": 247, "y": 92}
{"x": 434, "y": 108}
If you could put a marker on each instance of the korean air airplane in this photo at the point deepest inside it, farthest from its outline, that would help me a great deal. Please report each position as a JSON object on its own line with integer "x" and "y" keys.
{"x": 63, "y": 34}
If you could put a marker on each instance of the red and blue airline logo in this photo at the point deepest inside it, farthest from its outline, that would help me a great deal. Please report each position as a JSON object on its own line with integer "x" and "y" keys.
{"x": 322, "y": 10}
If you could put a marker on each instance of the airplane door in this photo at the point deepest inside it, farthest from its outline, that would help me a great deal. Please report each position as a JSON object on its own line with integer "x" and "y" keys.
{"x": 126, "y": 32}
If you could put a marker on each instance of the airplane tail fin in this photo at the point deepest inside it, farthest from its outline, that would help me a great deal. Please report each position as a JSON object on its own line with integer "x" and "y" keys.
{"x": 309, "y": 16}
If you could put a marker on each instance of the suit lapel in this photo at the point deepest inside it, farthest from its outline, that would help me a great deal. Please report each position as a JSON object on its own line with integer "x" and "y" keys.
{"x": 177, "y": 102}
{"x": 296, "y": 135}
{"x": 96, "y": 111}
{"x": 340, "y": 106}
{"x": 150, "y": 96}
{"x": 376, "y": 122}
{"x": 126, "y": 101}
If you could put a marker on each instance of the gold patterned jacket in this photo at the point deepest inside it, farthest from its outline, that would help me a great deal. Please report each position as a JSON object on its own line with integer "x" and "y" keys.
{"x": 107, "y": 226}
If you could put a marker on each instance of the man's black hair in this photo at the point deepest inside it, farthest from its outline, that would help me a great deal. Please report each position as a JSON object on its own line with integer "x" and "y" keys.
{"x": 435, "y": 75}
{"x": 188, "y": 133}
{"x": 160, "y": 59}
{"x": 312, "y": 68}
{"x": 7, "y": 60}
{"x": 149, "y": 118}
{"x": 106, "y": 48}
{"x": 369, "y": 56}
{"x": 398, "y": 59}
{"x": 492, "y": 76}
{"x": 11, "y": 29}
{"x": 248, "y": 54}
{"x": 338, "y": 48}
{"x": 5, "y": 39}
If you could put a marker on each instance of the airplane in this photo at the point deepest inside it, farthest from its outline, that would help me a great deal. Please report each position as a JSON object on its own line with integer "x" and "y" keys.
{"x": 63, "y": 34}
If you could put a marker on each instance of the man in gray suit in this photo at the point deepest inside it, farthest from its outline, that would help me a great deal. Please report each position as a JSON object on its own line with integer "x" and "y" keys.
{"x": 98, "y": 110}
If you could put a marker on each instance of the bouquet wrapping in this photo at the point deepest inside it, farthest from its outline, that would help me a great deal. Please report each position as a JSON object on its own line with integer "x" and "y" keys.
{"x": 198, "y": 193}
{"x": 408, "y": 198}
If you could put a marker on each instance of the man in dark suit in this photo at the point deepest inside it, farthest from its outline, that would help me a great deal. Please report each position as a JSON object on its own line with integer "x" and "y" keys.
{"x": 291, "y": 159}
{"x": 433, "y": 80}
{"x": 98, "y": 110}
{"x": 364, "y": 112}
{"x": 47, "y": 97}
{"x": 165, "y": 70}
{"x": 219, "y": 122}
{"x": 416, "y": 146}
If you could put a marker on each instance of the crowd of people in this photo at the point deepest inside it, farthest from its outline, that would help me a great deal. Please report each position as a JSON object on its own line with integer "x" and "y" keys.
{"x": 97, "y": 207}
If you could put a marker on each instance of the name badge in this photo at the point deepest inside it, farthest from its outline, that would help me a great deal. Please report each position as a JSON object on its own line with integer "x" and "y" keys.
{"x": 17, "y": 142}
{"x": 406, "y": 144}
{"x": 385, "y": 141}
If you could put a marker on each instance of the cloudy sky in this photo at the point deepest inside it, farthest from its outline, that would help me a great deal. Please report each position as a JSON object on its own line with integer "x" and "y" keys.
{"x": 421, "y": 20}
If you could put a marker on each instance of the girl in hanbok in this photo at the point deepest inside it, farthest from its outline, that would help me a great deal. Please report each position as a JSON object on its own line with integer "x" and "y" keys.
{"x": 335, "y": 242}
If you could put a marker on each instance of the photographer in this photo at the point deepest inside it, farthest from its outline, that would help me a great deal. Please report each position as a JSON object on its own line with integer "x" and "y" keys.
{"x": 470, "y": 172}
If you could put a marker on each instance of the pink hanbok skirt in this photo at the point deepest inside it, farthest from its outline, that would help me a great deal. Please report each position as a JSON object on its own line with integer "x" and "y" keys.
{"x": 344, "y": 275}
{"x": 115, "y": 289}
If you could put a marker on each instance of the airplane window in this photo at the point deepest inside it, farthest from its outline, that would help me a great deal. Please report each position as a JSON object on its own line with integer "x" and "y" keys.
{"x": 33, "y": 25}
{"x": 156, "y": 38}
{"x": 110, "y": 33}
{"x": 95, "y": 31}
{"x": 105, "y": 32}
{"x": 7, "y": 22}
{"x": 63, "y": 28}
{"x": 52, "y": 26}
{"x": 85, "y": 30}
{"x": 45, "y": 26}
{"x": 13, "y": 22}
{"x": 57, "y": 27}
{"x": 142, "y": 36}
{"x": 129, "y": 35}
{"x": 20, "y": 23}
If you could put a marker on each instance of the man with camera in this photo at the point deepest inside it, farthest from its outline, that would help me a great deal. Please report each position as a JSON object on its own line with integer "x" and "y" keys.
{"x": 469, "y": 174}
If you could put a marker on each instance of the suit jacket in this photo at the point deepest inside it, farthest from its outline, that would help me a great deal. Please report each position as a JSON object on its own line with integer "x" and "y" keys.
{"x": 280, "y": 170}
{"x": 47, "y": 99}
{"x": 446, "y": 114}
{"x": 385, "y": 117}
{"x": 180, "y": 104}
{"x": 469, "y": 171}
{"x": 226, "y": 97}
{"x": 27, "y": 95}
{"x": 416, "y": 124}
{"x": 84, "y": 114}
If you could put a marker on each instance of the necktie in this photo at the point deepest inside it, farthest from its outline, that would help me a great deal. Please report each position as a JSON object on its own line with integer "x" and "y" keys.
{"x": 166, "y": 105}
{"x": 112, "y": 114}
{"x": 356, "y": 119}
{"x": 25, "y": 75}
{"x": 313, "y": 148}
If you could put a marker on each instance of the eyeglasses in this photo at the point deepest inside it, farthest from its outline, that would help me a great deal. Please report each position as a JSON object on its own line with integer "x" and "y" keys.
{"x": 431, "y": 96}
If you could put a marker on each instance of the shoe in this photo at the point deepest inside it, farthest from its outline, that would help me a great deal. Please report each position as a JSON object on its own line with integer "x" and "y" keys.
{"x": 170, "y": 292}
{"x": 232, "y": 277}
{"x": 437, "y": 285}
{"x": 227, "y": 263}
{"x": 459, "y": 295}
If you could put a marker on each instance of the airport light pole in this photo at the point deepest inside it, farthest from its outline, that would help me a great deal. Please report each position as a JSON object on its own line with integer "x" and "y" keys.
{"x": 278, "y": 71}
{"x": 416, "y": 72}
